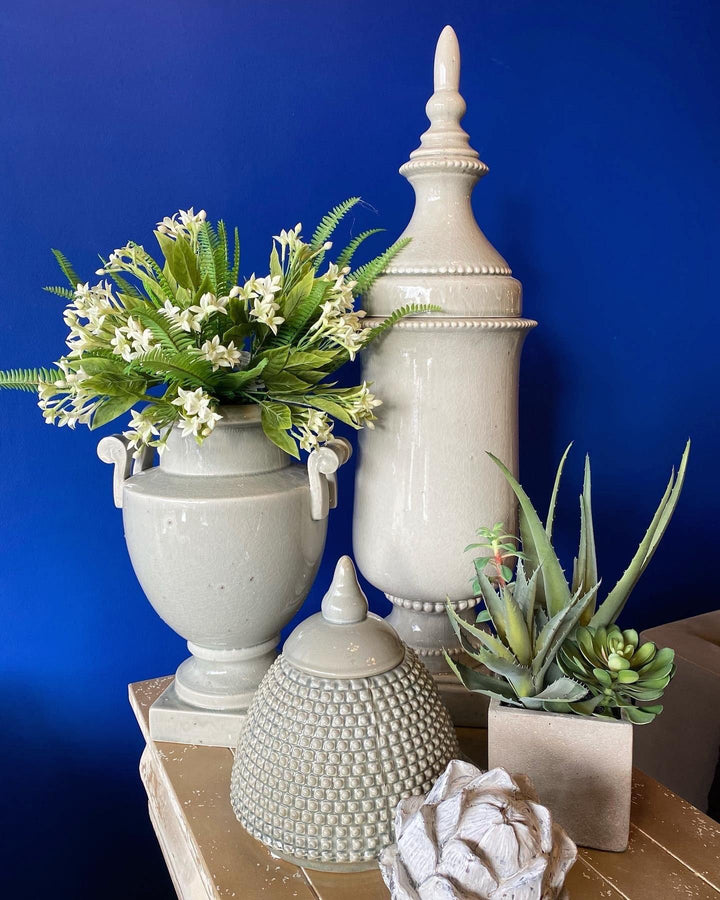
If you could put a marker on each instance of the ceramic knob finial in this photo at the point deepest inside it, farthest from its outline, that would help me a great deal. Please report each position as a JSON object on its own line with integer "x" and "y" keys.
{"x": 445, "y": 109}
{"x": 345, "y": 603}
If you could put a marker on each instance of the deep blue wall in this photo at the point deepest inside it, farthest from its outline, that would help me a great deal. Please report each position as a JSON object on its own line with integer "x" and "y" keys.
{"x": 599, "y": 122}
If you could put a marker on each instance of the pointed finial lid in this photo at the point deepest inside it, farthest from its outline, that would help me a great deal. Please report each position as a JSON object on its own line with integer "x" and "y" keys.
{"x": 446, "y": 138}
{"x": 344, "y": 640}
{"x": 446, "y": 243}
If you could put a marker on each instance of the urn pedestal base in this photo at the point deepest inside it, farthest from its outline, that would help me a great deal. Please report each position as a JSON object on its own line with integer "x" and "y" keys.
{"x": 208, "y": 700}
{"x": 425, "y": 626}
{"x": 171, "y": 719}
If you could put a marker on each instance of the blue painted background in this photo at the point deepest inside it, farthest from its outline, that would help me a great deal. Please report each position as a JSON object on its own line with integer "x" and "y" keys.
{"x": 599, "y": 122}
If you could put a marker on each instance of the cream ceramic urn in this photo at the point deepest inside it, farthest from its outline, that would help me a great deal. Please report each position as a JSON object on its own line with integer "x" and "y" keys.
{"x": 449, "y": 383}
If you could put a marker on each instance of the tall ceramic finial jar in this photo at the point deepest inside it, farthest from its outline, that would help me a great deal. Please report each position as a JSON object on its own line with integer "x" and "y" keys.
{"x": 449, "y": 382}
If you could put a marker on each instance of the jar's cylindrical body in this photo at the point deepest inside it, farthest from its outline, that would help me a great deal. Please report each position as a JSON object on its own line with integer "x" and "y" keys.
{"x": 223, "y": 543}
{"x": 424, "y": 481}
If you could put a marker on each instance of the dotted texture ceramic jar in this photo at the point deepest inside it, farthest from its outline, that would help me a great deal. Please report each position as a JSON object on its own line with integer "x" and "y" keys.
{"x": 323, "y": 762}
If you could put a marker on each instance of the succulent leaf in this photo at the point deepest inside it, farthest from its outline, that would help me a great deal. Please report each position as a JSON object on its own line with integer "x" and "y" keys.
{"x": 607, "y": 661}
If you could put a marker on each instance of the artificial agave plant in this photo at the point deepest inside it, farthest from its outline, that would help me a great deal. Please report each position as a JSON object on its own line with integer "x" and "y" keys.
{"x": 524, "y": 642}
{"x": 550, "y": 644}
{"x": 175, "y": 339}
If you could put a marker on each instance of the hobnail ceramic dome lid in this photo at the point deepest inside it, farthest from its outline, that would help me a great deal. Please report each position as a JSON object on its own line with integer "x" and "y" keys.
{"x": 344, "y": 640}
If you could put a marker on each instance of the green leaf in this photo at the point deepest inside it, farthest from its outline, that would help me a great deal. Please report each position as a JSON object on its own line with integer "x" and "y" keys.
{"x": 556, "y": 631}
{"x": 614, "y": 603}
{"x": 553, "y": 496}
{"x": 637, "y": 716}
{"x": 297, "y": 293}
{"x": 237, "y": 333}
{"x": 557, "y": 593}
{"x": 181, "y": 260}
{"x": 483, "y": 684}
{"x": 276, "y": 419}
{"x": 96, "y": 365}
{"x": 285, "y": 383}
{"x": 237, "y": 311}
{"x": 492, "y": 602}
{"x": 233, "y": 382}
{"x": 275, "y": 267}
{"x": 563, "y": 689}
{"x": 332, "y": 407}
{"x": 489, "y": 641}
{"x": 112, "y": 408}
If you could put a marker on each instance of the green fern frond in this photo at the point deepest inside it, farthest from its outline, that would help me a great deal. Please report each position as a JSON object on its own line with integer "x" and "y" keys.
{"x": 28, "y": 379}
{"x": 126, "y": 288}
{"x": 186, "y": 367}
{"x": 158, "y": 274}
{"x": 67, "y": 269}
{"x": 302, "y": 314}
{"x": 329, "y": 222}
{"x": 346, "y": 256}
{"x": 170, "y": 336}
{"x": 220, "y": 254}
{"x": 235, "y": 271}
{"x": 409, "y": 309}
{"x": 60, "y": 291}
{"x": 366, "y": 275}
{"x": 207, "y": 244}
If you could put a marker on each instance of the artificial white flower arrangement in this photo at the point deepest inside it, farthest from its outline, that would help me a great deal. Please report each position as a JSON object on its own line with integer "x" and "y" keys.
{"x": 190, "y": 328}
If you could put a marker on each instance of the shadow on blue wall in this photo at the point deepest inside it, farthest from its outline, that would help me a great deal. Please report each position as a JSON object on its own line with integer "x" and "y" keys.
{"x": 599, "y": 124}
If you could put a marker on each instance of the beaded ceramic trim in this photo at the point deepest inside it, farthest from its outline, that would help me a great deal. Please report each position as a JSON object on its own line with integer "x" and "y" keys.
{"x": 419, "y": 163}
{"x": 322, "y": 763}
{"x": 447, "y": 270}
{"x": 419, "y": 323}
{"x": 433, "y": 606}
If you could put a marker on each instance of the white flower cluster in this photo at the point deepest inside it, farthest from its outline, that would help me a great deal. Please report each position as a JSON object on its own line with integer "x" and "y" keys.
{"x": 132, "y": 340}
{"x": 65, "y": 401}
{"x": 192, "y": 317}
{"x": 360, "y": 403}
{"x": 228, "y": 357}
{"x": 184, "y": 224}
{"x": 85, "y": 316}
{"x": 339, "y": 322}
{"x": 197, "y": 416}
{"x": 289, "y": 239}
{"x": 312, "y": 428}
{"x": 142, "y": 433}
{"x": 261, "y": 293}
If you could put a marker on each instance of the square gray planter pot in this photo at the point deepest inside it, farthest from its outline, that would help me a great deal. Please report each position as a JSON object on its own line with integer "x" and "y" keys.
{"x": 581, "y": 768}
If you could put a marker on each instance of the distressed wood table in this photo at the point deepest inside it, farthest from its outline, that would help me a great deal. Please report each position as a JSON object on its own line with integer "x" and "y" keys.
{"x": 674, "y": 849}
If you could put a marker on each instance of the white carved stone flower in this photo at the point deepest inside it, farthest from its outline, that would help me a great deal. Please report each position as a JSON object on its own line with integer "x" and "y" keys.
{"x": 476, "y": 836}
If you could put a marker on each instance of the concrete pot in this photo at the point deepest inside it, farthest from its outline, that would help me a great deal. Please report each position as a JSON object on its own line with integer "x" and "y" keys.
{"x": 581, "y": 769}
{"x": 225, "y": 539}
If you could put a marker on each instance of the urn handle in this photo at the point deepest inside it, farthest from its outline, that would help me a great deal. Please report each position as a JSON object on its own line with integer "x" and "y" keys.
{"x": 323, "y": 464}
{"x": 114, "y": 449}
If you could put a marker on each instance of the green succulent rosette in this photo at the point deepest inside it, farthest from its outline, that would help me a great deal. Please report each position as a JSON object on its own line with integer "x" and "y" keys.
{"x": 619, "y": 672}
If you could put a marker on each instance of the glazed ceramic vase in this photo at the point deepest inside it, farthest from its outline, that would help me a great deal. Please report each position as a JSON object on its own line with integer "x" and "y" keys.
{"x": 225, "y": 539}
{"x": 449, "y": 382}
